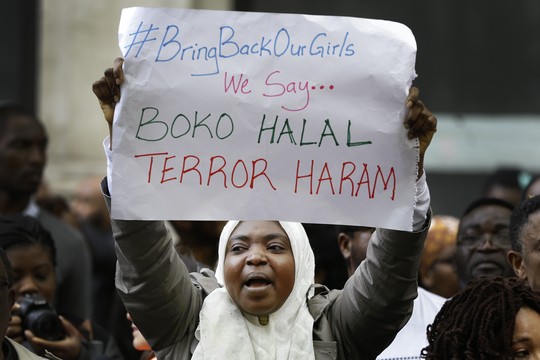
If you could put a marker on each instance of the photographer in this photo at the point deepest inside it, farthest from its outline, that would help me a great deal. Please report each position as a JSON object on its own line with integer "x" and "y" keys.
{"x": 10, "y": 349}
{"x": 34, "y": 323}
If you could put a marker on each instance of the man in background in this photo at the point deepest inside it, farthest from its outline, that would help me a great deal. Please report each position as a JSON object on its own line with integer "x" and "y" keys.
{"x": 23, "y": 145}
{"x": 483, "y": 240}
{"x": 525, "y": 239}
{"x": 353, "y": 242}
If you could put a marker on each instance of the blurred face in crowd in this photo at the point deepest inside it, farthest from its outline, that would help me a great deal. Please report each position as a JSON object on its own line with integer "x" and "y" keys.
{"x": 510, "y": 194}
{"x": 34, "y": 270}
{"x": 527, "y": 263}
{"x": 259, "y": 267}
{"x": 526, "y": 338}
{"x": 353, "y": 246}
{"x": 441, "y": 277}
{"x": 22, "y": 155}
{"x": 139, "y": 342}
{"x": 7, "y": 298}
{"x": 88, "y": 204}
{"x": 533, "y": 189}
{"x": 437, "y": 272}
{"x": 482, "y": 243}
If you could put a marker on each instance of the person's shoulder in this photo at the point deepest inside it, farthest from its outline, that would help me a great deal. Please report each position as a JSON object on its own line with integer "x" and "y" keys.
{"x": 429, "y": 299}
{"x": 58, "y": 228}
{"x": 22, "y": 352}
{"x": 321, "y": 300}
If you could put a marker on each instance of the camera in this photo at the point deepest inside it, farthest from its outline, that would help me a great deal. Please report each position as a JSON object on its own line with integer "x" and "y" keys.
{"x": 39, "y": 316}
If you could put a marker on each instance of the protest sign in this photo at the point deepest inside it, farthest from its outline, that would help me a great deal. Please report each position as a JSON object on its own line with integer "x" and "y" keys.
{"x": 232, "y": 115}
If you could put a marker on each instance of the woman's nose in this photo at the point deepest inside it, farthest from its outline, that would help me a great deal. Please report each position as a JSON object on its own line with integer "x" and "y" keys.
{"x": 27, "y": 286}
{"x": 256, "y": 256}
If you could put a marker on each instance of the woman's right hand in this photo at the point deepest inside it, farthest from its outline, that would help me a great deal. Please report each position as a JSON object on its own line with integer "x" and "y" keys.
{"x": 107, "y": 90}
{"x": 66, "y": 349}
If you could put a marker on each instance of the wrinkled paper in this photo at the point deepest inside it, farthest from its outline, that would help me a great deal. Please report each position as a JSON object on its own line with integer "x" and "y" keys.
{"x": 233, "y": 115}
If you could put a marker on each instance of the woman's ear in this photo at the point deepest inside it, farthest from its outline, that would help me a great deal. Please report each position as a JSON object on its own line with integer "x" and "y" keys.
{"x": 344, "y": 242}
{"x": 11, "y": 297}
{"x": 516, "y": 261}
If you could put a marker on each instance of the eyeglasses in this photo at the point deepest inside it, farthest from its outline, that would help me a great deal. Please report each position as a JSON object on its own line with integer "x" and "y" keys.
{"x": 501, "y": 239}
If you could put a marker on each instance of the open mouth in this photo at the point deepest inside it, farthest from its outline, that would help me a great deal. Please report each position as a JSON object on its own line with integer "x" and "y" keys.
{"x": 257, "y": 281}
{"x": 253, "y": 283}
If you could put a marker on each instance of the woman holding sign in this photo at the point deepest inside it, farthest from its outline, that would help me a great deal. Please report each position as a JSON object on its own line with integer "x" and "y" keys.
{"x": 263, "y": 303}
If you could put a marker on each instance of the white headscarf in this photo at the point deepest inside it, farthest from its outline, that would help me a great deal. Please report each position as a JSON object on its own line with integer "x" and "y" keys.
{"x": 225, "y": 333}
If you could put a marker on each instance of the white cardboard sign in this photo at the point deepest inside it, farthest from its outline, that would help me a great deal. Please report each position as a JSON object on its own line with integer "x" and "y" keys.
{"x": 232, "y": 115}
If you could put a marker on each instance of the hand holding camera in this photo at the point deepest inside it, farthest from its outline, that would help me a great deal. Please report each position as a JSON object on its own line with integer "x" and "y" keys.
{"x": 40, "y": 318}
{"x": 36, "y": 321}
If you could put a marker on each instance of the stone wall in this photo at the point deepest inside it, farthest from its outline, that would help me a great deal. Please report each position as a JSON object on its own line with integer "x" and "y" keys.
{"x": 78, "y": 40}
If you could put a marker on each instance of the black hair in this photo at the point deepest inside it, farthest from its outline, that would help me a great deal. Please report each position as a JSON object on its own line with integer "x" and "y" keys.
{"x": 328, "y": 258}
{"x": 350, "y": 229}
{"x": 478, "y": 322}
{"x": 508, "y": 177}
{"x": 21, "y": 230}
{"x": 487, "y": 201}
{"x": 520, "y": 218}
{"x": 8, "y": 109}
{"x": 10, "y": 275}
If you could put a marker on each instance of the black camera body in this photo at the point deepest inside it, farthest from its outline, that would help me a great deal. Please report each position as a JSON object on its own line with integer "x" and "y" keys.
{"x": 39, "y": 316}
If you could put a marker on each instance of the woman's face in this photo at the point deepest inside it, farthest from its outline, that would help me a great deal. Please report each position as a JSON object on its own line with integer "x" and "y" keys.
{"x": 34, "y": 271}
{"x": 139, "y": 342}
{"x": 526, "y": 339}
{"x": 442, "y": 276}
{"x": 259, "y": 267}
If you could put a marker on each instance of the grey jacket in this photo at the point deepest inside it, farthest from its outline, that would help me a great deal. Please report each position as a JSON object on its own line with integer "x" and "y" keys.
{"x": 358, "y": 322}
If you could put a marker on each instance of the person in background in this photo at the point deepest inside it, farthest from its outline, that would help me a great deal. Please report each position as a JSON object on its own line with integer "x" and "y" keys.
{"x": 437, "y": 272}
{"x": 491, "y": 318}
{"x": 89, "y": 208}
{"x": 353, "y": 242}
{"x": 483, "y": 240}
{"x": 532, "y": 189}
{"x": 56, "y": 204}
{"x": 330, "y": 269}
{"x": 108, "y": 311}
{"x": 198, "y": 240}
{"x": 525, "y": 239}
{"x": 11, "y": 350}
{"x": 506, "y": 183}
{"x": 31, "y": 251}
{"x": 23, "y": 145}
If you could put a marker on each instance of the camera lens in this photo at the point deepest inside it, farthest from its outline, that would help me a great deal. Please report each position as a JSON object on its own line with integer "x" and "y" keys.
{"x": 45, "y": 324}
{"x": 40, "y": 318}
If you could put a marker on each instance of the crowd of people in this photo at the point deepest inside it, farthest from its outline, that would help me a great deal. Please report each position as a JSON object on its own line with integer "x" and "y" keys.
{"x": 452, "y": 288}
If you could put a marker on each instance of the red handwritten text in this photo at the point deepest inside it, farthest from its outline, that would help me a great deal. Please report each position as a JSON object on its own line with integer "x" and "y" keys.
{"x": 163, "y": 168}
{"x": 351, "y": 180}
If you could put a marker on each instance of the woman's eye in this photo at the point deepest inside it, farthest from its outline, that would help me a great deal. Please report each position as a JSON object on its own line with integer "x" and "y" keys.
{"x": 42, "y": 277}
{"x": 276, "y": 247}
{"x": 237, "y": 248}
{"x": 521, "y": 354}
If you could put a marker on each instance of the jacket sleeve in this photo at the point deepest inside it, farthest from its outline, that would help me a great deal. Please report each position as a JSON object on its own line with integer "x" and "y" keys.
{"x": 377, "y": 300}
{"x": 153, "y": 282}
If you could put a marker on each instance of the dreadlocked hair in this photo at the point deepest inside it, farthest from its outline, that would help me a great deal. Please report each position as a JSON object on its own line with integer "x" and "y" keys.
{"x": 478, "y": 322}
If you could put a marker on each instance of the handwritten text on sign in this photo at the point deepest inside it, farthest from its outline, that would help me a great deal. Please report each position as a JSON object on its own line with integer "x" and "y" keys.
{"x": 231, "y": 115}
